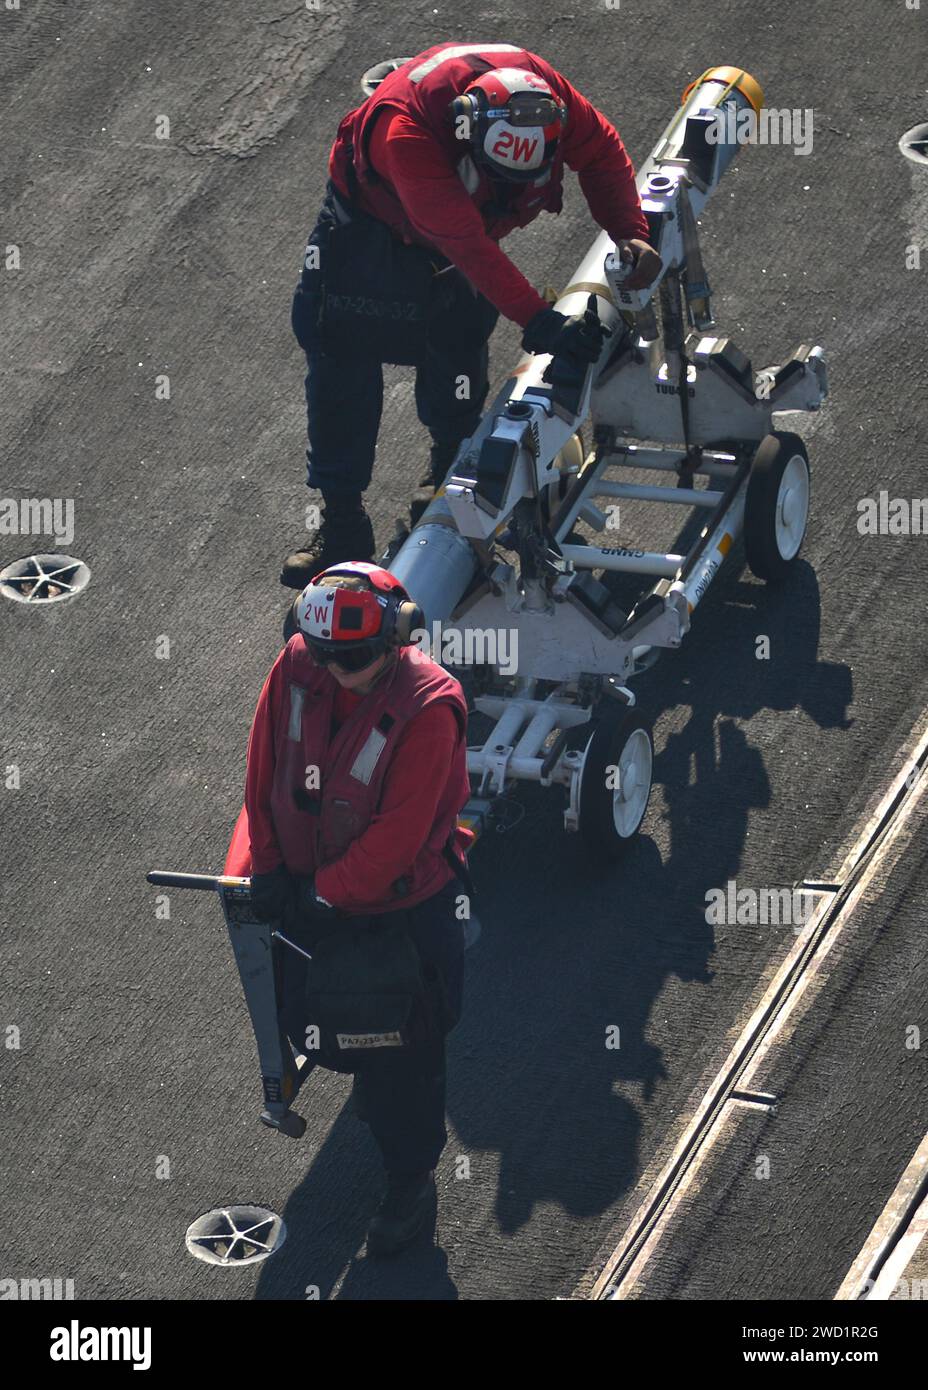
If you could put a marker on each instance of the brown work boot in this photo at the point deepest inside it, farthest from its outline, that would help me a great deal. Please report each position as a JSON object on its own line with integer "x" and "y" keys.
{"x": 338, "y": 538}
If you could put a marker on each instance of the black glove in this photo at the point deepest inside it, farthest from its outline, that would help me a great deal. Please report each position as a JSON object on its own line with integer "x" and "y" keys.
{"x": 272, "y": 894}
{"x": 309, "y": 918}
{"x": 307, "y": 901}
{"x": 580, "y": 336}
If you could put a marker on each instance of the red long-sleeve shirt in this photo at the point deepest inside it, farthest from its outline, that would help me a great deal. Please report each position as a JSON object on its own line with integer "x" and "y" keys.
{"x": 412, "y": 788}
{"x": 445, "y": 216}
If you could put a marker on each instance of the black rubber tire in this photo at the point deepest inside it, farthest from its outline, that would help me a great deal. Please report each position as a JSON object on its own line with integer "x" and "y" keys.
{"x": 372, "y": 78}
{"x": 596, "y": 816}
{"x": 761, "y": 547}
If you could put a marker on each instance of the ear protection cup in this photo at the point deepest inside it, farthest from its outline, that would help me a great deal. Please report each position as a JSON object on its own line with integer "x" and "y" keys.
{"x": 409, "y": 619}
{"x": 460, "y": 106}
{"x": 471, "y": 108}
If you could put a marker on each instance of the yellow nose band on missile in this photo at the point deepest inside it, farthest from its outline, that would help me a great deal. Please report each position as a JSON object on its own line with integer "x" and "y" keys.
{"x": 734, "y": 78}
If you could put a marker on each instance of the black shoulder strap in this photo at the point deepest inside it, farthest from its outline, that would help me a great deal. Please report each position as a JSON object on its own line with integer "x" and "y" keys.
{"x": 350, "y": 174}
{"x": 458, "y": 865}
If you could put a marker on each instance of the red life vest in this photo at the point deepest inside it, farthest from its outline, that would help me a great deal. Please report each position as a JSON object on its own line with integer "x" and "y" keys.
{"x": 424, "y": 88}
{"x": 315, "y": 826}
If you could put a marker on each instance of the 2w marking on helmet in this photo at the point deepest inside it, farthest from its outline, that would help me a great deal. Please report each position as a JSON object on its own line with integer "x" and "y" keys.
{"x": 523, "y": 148}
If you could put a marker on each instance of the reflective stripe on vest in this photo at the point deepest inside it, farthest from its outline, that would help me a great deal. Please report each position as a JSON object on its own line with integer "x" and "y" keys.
{"x": 362, "y": 768}
{"x": 463, "y": 50}
{"x": 297, "y": 698}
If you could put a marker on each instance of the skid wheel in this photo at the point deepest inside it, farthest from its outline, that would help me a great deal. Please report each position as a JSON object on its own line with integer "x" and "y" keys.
{"x": 776, "y": 508}
{"x": 372, "y": 78}
{"x": 615, "y": 785}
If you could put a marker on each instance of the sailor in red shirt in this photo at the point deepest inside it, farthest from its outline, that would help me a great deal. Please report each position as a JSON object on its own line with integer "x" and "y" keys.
{"x": 356, "y": 772}
{"x": 453, "y": 150}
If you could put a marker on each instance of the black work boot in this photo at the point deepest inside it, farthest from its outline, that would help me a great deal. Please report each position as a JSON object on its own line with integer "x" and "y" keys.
{"x": 406, "y": 1210}
{"x": 441, "y": 457}
{"x": 345, "y": 534}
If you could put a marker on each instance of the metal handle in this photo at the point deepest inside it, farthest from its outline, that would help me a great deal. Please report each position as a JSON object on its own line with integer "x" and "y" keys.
{"x": 204, "y": 882}
{"x": 624, "y": 269}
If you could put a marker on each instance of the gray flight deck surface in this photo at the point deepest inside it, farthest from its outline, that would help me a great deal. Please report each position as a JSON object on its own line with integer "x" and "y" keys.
{"x": 141, "y": 257}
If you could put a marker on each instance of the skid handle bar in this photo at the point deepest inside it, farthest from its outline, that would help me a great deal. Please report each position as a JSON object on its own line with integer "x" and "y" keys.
{"x": 280, "y": 1076}
{"x": 204, "y": 882}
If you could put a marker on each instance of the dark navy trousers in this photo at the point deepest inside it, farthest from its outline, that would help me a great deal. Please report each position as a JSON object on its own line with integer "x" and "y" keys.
{"x": 344, "y": 393}
{"x": 400, "y": 1092}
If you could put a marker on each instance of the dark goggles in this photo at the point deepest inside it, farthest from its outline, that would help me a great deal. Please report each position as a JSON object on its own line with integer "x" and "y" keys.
{"x": 350, "y": 658}
{"x": 526, "y": 110}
